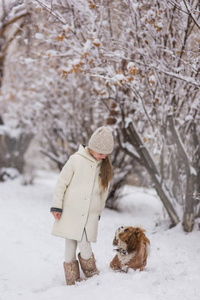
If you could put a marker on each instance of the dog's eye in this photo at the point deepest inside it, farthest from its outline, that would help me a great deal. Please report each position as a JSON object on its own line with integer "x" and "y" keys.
{"x": 126, "y": 230}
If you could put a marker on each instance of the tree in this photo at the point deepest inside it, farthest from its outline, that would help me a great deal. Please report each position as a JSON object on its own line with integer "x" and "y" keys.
{"x": 145, "y": 57}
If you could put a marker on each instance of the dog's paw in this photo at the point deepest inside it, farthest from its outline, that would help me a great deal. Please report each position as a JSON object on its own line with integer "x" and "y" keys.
{"x": 124, "y": 269}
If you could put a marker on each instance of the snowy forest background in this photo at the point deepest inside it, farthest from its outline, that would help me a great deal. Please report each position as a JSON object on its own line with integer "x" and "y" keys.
{"x": 67, "y": 67}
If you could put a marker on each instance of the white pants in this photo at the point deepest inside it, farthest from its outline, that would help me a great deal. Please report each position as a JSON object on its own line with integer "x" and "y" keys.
{"x": 71, "y": 246}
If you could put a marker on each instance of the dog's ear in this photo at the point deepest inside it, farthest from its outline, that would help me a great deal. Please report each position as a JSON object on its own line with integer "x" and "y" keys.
{"x": 135, "y": 239}
{"x": 141, "y": 235}
{"x": 132, "y": 243}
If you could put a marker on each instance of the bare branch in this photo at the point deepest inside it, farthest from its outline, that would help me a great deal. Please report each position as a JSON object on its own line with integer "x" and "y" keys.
{"x": 13, "y": 20}
{"x": 191, "y": 15}
{"x": 53, "y": 13}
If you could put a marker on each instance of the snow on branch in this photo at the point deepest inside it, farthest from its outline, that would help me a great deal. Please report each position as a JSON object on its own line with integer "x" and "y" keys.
{"x": 128, "y": 149}
{"x": 13, "y": 18}
{"x": 187, "y": 79}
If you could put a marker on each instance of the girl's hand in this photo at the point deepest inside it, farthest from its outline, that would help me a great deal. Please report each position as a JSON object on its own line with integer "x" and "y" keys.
{"x": 56, "y": 215}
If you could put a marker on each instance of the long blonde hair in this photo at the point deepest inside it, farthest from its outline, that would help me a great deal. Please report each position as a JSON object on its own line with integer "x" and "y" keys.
{"x": 106, "y": 168}
{"x": 105, "y": 172}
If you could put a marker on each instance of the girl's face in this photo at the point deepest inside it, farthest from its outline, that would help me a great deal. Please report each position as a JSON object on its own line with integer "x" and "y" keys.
{"x": 98, "y": 156}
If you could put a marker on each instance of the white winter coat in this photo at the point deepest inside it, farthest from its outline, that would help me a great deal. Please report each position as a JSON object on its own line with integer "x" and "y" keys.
{"x": 80, "y": 197}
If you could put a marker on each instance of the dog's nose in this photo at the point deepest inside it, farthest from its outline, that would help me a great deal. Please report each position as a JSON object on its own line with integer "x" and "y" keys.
{"x": 121, "y": 227}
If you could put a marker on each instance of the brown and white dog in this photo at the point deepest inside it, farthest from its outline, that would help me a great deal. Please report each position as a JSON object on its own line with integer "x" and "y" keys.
{"x": 132, "y": 249}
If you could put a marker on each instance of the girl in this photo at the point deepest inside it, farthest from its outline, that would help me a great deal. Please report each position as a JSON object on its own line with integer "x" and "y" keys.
{"x": 78, "y": 201}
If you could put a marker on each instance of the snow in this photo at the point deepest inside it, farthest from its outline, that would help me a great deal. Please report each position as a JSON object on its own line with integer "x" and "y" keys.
{"x": 29, "y": 60}
{"x": 20, "y": 9}
{"x": 131, "y": 149}
{"x": 7, "y": 173}
{"x": 188, "y": 118}
{"x": 152, "y": 79}
{"x": 130, "y": 65}
{"x": 66, "y": 27}
{"x": 193, "y": 171}
{"x": 134, "y": 6}
{"x": 39, "y": 36}
{"x": 119, "y": 76}
{"x": 12, "y": 132}
{"x": 31, "y": 258}
{"x": 87, "y": 45}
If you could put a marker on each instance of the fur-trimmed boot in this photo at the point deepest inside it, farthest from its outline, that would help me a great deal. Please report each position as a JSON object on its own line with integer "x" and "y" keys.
{"x": 88, "y": 266}
{"x": 72, "y": 272}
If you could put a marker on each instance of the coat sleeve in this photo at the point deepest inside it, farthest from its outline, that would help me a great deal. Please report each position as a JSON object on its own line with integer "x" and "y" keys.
{"x": 63, "y": 181}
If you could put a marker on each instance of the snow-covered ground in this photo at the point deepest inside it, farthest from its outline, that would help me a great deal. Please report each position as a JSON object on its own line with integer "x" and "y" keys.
{"x": 31, "y": 258}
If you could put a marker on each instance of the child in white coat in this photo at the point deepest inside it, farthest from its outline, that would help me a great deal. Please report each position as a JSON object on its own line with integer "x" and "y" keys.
{"x": 78, "y": 201}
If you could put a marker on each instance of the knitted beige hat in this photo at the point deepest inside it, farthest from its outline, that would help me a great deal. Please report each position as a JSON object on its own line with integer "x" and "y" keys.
{"x": 101, "y": 141}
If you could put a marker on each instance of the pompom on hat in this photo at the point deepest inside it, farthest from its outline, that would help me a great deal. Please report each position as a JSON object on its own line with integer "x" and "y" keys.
{"x": 101, "y": 141}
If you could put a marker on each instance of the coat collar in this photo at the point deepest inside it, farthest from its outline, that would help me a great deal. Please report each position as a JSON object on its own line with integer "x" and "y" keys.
{"x": 84, "y": 152}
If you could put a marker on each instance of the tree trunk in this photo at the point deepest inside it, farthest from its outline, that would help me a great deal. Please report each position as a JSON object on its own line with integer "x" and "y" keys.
{"x": 150, "y": 165}
{"x": 12, "y": 150}
{"x": 188, "y": 216}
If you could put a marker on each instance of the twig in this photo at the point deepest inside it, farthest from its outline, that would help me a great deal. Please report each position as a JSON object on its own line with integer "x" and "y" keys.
{"x": 53, "y": 13}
